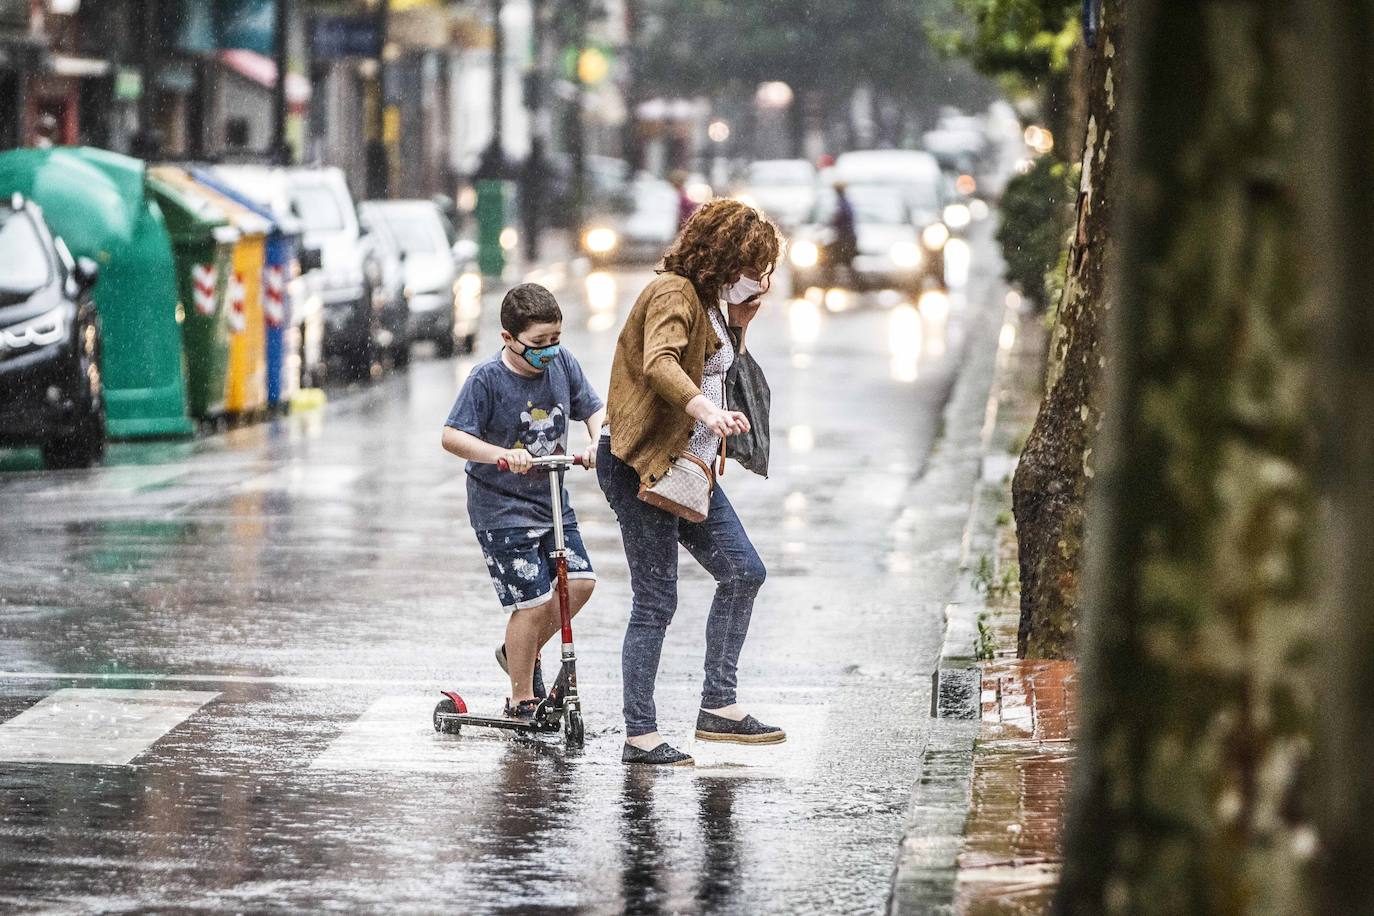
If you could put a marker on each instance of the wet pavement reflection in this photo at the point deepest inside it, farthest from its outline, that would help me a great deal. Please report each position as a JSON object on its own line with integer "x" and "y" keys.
{"x": 263, "y": 618}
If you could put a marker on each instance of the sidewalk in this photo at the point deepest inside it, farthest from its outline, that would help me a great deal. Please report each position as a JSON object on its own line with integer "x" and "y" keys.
{"x": 984, "y": 828}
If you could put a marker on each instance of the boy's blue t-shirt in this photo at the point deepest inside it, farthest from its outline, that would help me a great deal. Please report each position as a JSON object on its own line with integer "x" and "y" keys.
{"x": 508, "y": 410}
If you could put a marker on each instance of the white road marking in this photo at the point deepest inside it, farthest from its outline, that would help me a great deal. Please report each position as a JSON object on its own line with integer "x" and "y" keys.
{"x": 279, "y": 680}
{"x": 396, "y": 733}
{"x": 794, "y": 758}
{"x": 96, "y": 726}
{"x": 305, "y": 480}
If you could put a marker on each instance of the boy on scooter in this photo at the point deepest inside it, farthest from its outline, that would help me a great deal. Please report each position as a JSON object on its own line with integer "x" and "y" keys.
{"x": 515, "y": 407}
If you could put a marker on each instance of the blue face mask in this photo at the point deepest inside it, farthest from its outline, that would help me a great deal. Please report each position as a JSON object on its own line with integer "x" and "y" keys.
{"x": 539, "y": 357}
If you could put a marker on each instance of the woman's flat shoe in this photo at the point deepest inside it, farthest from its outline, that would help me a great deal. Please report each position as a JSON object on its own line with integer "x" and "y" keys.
{"x": 711, "y": 727}
{"x": 665, "y": 755}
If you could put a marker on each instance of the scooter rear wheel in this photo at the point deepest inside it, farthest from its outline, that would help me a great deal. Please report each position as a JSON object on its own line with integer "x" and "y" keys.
{"x": 573, "y": 732}
{"x": 447, "y": 727}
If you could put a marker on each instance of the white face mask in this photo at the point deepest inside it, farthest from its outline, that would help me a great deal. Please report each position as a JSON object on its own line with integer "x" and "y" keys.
{"x": 742, "y": 290}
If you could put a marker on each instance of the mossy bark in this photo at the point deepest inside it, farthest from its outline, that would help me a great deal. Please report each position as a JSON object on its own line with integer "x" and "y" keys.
{"x": 1333, "y": 72}
{"x": 1197, "y": 639}
{"x": 1052, "y": 479}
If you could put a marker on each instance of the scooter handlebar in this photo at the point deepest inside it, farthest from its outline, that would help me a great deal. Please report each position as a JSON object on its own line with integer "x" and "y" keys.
{"x": 548, "y": 463}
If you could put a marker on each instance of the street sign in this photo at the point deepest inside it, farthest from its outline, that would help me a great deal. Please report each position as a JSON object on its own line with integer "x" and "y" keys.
{"x": 344, "y": 36}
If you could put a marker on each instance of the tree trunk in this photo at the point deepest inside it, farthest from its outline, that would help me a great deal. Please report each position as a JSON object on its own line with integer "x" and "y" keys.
{"x": 1334, "y": 66}
{"x": 1197, "y": 641}
{"x": 1052, "y": 478}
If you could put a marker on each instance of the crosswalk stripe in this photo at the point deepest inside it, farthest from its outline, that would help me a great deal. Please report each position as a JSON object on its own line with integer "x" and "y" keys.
{"x": 98, "y": 726}
{"x": 396, "y": 734}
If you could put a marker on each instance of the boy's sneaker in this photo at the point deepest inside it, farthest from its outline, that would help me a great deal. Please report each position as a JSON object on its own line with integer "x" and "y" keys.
{"x": 524, "y": 710}
{"x": 539, "y": 690}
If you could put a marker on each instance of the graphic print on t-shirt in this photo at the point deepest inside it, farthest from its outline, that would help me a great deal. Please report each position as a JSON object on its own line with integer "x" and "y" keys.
{"x": 541, "y": 431}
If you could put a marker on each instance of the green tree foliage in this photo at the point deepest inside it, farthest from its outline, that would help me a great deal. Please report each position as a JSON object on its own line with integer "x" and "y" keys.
{"x": 1024, "y": 41}
{"x": 1034, "y": 208}
{"x": 701, "y": 47}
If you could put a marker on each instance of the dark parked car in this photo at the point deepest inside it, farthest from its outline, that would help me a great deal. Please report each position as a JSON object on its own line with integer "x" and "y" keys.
{"x": 51, "y": 393}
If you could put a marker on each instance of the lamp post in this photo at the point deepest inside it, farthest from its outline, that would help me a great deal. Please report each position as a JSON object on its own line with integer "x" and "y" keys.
{"x": 378, "y": 163}
{"x": 493, "y": 170}
{"x": 281, "y": 153}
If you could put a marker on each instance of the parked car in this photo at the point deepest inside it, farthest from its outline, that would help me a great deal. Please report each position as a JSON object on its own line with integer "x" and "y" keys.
{"x": 443, "y": 305}
{"x": 51, "y": 392}
{"x": 784, "y": 189}
{"x": 635, "y": 226}
{"x": 891, "y": 253}
{"x": 321, "y": 200}
{"x": 388, "y": 282}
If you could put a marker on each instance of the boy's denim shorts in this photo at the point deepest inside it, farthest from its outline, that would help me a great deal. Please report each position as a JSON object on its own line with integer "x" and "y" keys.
{"x": 518, "y": 560}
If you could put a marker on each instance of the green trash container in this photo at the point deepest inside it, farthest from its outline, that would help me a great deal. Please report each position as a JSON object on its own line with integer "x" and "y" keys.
{"x": 203, "y": 245}
{"x": 96, "y": 200}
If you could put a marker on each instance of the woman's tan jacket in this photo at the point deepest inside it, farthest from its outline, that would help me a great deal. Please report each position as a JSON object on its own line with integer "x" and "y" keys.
{"x": 659, "y": 360}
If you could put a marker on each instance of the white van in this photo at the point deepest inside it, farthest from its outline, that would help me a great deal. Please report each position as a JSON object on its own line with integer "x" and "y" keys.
{"x": 321, "y": 201}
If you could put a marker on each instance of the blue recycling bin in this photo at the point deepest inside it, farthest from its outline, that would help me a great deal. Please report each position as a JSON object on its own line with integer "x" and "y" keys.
{"x": 279, "y": 265}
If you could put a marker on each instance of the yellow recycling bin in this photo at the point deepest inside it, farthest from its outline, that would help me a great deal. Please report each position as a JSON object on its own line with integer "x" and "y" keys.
{"x": 246, "y": 386}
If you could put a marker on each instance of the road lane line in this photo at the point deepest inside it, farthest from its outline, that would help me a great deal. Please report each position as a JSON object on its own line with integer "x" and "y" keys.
{"x": 289, "y": 680}
{"x": 396, "y": 733}
{"x": 104, "y": 727}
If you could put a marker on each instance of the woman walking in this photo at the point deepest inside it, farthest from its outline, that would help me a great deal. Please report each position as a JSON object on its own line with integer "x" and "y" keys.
{"x": 668, "y": 417}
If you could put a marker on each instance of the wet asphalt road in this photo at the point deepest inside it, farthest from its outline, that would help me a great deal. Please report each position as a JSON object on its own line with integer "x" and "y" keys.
{"x": 288, "y": 598}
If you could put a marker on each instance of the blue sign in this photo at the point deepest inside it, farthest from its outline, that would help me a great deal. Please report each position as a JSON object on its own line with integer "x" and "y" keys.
{"x": 344, "y": 36}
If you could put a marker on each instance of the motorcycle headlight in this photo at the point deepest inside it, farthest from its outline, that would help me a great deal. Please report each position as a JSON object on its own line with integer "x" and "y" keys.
{"x": 601, "y": 240}
{"x": 48, "y": 328}
{"x": 957, "y": 216}
{"x": 906, "y": 254}
{"x": 805, "y": 253}
{"x": 935, "y": 236}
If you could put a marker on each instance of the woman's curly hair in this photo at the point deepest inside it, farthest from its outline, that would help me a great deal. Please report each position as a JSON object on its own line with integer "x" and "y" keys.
{"x": 720, "y": 241}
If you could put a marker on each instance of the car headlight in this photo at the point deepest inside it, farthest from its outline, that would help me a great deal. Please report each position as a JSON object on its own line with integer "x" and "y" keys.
{"x": 601, "y": 240}
{"x": 469, "y": 285}
{"x": 957, "y": 216}
{"x": 48, "y": 328}
{"x": 935, "y": 235}
{"x": 805, "y": 253}
{"x": 906, "y": 254}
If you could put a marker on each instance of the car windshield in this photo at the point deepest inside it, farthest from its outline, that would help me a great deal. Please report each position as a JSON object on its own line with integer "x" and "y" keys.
{"x": 872, "y": 204}
{"x": 318, "y": 208}
{"x": 417, "y": 231}
{"x": 784, "y": 172}
{"x": 24, "y": 263}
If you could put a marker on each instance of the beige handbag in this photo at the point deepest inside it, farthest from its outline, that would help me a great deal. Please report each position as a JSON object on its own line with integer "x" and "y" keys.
{"x": 685, "y": 488}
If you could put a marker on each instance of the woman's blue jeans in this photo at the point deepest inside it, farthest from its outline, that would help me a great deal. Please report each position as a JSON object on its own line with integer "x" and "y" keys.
{"x": 651, "y": 537}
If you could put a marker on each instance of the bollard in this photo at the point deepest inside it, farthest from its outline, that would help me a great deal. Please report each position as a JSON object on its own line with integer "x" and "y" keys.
{"x": 491, "y": 221}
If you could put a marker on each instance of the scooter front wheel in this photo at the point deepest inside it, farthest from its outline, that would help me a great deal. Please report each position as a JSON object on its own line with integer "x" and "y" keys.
{"x": 573, "y": 732}
{"x": 447, "y": 726}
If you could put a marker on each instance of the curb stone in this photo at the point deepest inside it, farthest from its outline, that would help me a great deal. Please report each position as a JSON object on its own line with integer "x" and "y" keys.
{"x": 924, "y": 879}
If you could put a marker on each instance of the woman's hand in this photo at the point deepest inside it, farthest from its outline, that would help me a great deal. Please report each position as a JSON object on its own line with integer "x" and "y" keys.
{"x": 742, "y": 314}
{"x": 720, "y": 422}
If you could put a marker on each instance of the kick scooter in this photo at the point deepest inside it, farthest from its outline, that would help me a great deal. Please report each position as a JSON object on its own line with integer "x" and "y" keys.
{"x": 562, "y": 707}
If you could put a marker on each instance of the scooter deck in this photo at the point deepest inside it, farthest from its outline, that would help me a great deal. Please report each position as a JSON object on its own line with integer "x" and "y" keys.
{"x": 515, "y": 725}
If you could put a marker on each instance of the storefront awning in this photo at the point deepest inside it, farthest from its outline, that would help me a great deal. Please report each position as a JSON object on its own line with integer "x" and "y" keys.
{"x": 263, "y": 71}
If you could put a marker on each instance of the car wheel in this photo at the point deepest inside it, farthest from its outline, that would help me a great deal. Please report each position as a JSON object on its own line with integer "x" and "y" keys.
{"x": 400, "y": 356}
{"x": 470, "y": 343}
{"x": 444, "y": 345}
{"x": 85, "y": 445}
